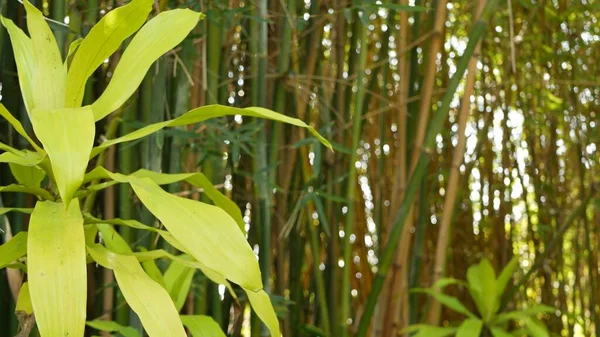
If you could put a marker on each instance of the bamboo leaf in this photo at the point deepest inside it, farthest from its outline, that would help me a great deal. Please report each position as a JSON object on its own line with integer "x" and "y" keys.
{"x": 535, "y": 328}
{"x": 155, "y": 38}
{"x": 18, "y": 127}
{"x": 147, "y": 299}
{"x": 205, "y": 113}
{"x": 68, "y": 137}
{"x": 470, "y": 328}
{"x": 110, "y": 326}
{"x": 202, "y": 326}
{"x": 57, "y": 268}
{"x": 13, "y": 249}
{"x": 4, "y": 210}
{"x": 423, "y": 330}
{"x": 112, "y": 239}
{"x": 24, "y": 58}
{"x": 102, "y": 41}
{"x": 178, "y": 281}
{"x": 153, "y": 271}
{"x": 49, "y": 75}
{"x": 40, "y": 192}
{"x": 21, "y": 158}
{"x": 262, "y": 306}
{"x": 24, "y": 300}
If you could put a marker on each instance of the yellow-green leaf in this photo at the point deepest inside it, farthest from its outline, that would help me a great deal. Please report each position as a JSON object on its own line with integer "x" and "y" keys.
{"x": 49, "y": 75}
{"x": 30, "y": 176}
{"x": 204, "y": 113}
{"x": 21, "y": 158}
{"x": 111, "y": 326}
{"x": 18, "y": 127}
{"x": 14, "y": 249}
{"x": 155, "y": 38}
{"x": 202, "y": 326}
{"x": 113, "y": 240}
{"x": 223, "y": 247}
{"x": 154, "y": 272}
{"x": 40, "y": 192}
{"x": 24, "y": 58}
{"x": 147, "y": 299}
{"x": 489, "y": 296}
{"x": 178, "y": 280}
{"x": 470, "y": 327}
{"x": 102, "y": 41}
{"x": 4, "y": 210}
{"x": 261, "y": 304}
{"x": 68, "y": 137}
{"x": 24, "y": 300}
{"x": 57, "y": 268}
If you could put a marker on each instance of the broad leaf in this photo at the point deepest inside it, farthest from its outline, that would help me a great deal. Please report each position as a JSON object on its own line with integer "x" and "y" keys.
{"x": 158, "y": 36}
{"x": 423, "y": 330}
{"x": 447, "y": 300}
{"x": 111, "y": 326}
{"x": 178, "y": 281}
{"x": 101, "y": 42}
{"x": 24, "y": 58}
{"x": 14, "y": 249}
{"x": 536, "y": 328}
{"x": 489, "y": 298}
{"x": 57, "y": 268}
{"x": 202, "y": 326}
{"x": 112, "y": 239}
{"x": 223, "y": 247}
{"x": 154, "y": 272}
{"x": 470, "y": 328}
{"x": 30, "y": 176}
{"x": 40, "y": 192}
{"x": 49, "y": 75}
{"x": 147, "y": 299}
{"x": 499, "y": 332}
{"x": 474, "y": 287}
{"x": 24, "y": 300}
{"x": 207, "y": 112}
{"x": 4, "y": 210}
{"x": 444, "y": 282}
{"x": 506, "y": 275}
{"x": 68, "y": 137}
{"x": 262, "y": 306}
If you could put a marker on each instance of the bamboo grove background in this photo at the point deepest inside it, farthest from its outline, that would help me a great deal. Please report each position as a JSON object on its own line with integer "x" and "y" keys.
{"x": 432, "y": 170}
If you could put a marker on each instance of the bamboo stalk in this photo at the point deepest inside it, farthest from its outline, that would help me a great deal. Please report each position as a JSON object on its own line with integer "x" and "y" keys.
{"x": 419, "y": 172}
{"x": 452, "y": 185}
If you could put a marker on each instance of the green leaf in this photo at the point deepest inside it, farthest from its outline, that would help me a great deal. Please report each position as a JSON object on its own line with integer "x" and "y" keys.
{"x": 506, "y": 276}
{"x": 178, "y": 281}
{"x": 49, "y": 76}
{"x": 470, "y": 328}
{"x": 14, "y": 249}
{"x": 73, "y": 46}
{"x": 40, "y": 192}
{"x": 444, "y": 282}
{"x": 423, "y": 330}
{"x": 24, "y": 58}
{"x": 147, "y": 299}
{"x": 30, "y": 176}
{"x": 68, "y": 137}
{"x": 224, "y": 248}
{"x": 57, "y": 268}
{"x": 536, "y": 328}
{"x": 24, "y": 158}
{"x": 474, "y": 286}
{"x": 489, "y": 298}
{"x": 24, "y": 300}
{"x": 262, "y": 306}
{"x": 111, "y": 326}
{"x": 524, "y": 313}
{"x": 101, "y": 42}
{"x": 158, "y": 36}
{"x": 113, "y": 240}
{"x": 202, "y": 326}
{"x": 499, "y": 332}
{"x": 153, "y": 271}
{"x": 18, "y": 127}
{"x": 447, "y": 300}
{"x": 4, "y": 210}
{"x": 204, "y": 113}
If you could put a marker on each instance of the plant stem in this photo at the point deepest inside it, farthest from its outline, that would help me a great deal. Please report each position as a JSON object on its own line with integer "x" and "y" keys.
{"x": 435, "y": 127}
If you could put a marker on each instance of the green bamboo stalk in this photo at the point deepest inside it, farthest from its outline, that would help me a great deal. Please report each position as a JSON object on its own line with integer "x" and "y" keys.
{"x": 361, "y": 31}
{"x": 58, "y": 14}
{"x": 416, "y": 179}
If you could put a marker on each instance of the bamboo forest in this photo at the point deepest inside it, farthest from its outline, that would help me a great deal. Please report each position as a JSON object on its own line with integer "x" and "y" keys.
{"x": 333, "y": 168}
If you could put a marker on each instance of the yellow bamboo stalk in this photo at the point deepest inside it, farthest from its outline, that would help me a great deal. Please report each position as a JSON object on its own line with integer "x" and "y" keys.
{"x": 452, "y": 187}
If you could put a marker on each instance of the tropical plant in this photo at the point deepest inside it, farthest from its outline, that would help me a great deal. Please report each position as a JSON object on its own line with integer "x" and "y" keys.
{"x": 61, "y": 238}
{"x": 486, "y": 291}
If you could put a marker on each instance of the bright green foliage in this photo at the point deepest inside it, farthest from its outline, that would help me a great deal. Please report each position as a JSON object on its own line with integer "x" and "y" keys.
{"x": 61, "y": 238}
{"x": 486, "y": 291}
